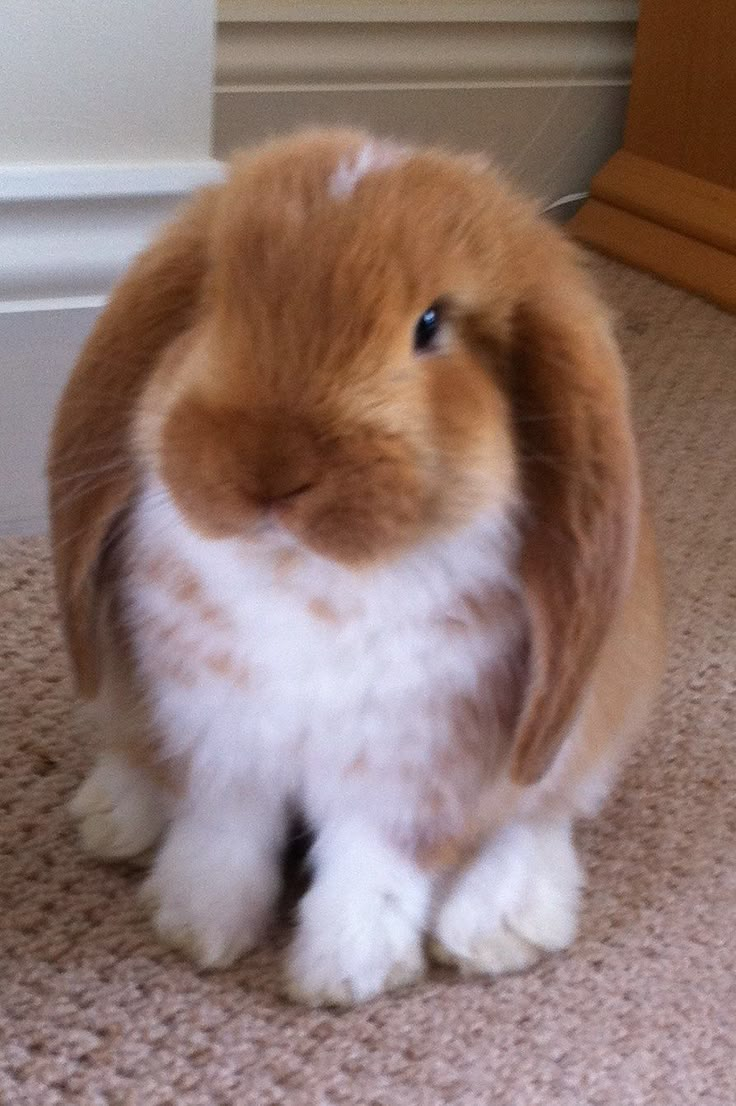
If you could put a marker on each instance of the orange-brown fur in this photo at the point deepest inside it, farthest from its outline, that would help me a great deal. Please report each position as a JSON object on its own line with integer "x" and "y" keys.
{"x": 260, "y": 352}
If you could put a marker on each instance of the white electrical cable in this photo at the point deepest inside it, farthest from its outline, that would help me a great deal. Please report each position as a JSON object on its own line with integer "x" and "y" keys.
{"x": 571, "y": 198}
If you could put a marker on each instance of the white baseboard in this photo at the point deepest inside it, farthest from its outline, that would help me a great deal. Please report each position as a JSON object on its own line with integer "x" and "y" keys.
{"x": 66, "y": 234}
{"x": 37, "y": 350}
{"x": 539, "y": 84}
{"x": 313, "y": 53}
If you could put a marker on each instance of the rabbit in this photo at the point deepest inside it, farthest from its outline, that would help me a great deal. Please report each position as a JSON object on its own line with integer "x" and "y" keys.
{"x": 347, "y": 523}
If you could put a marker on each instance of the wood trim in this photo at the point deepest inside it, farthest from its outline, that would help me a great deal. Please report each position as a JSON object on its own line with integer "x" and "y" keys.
{"x": 688, "y": 262}
{"x": 667, "y": 200}
{"x": 682, "y": 110}
{"x": 680, "y": 201}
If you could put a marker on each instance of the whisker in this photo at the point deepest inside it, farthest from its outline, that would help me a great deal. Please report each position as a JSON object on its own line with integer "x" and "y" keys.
{"x": 79, "y": 453}
{"x": 69, "y": 498}
{"x": 518, "y": 162}
{"x": 562, "y": 157}
{"x": 56, "y": 481}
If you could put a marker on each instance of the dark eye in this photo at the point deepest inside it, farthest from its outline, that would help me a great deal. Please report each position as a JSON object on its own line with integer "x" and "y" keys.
{"x": 427, "y": 329}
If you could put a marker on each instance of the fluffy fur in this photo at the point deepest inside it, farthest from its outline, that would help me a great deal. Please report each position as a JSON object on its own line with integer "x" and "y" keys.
{"x": 305, "y": 566}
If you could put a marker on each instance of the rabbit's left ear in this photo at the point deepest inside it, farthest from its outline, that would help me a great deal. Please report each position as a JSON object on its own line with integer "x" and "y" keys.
{"x": 91, "y": 467}
{"x": 581, "y": 494}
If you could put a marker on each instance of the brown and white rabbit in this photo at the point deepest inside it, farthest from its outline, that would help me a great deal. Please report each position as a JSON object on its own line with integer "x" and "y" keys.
{"x": 347, "y": 521}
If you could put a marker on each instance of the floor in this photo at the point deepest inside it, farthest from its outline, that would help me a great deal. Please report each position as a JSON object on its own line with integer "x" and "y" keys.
{"x": 641, "y": 1011}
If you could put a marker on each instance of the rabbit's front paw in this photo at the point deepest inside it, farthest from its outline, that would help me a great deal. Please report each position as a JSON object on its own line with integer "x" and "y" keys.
{"x": 212, "y": 892}
{"x": 345, "y": 953}
{"x": 360, "y": 925}
{"x": 518, "y": 900}
{"x": 120, "y": 811}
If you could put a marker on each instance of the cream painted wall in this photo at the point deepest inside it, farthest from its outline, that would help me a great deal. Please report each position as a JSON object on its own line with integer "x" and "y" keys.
{"x": 541, "y": 85}
{"x": 105, "y": 124}
{"x": 105, "y": 80}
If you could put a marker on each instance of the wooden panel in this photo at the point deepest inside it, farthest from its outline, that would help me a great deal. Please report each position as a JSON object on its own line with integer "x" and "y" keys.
{"x": 668, "y": 196}
{"x": 682, "y": 110}
{"x": 666, "y": 202}
{"x": 684, "y": 261}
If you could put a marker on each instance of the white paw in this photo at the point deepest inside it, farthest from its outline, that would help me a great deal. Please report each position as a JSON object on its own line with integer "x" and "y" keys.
{"x": 119, "y": 810}
{"x": 519, "y": 899}
{"x": 211, "y": 893}
{"x": 347, "y": 955}
{"x": 360, "y": 926}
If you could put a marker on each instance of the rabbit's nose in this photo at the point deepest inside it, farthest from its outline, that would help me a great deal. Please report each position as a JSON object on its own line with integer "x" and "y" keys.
{"x": 279, "y": 458}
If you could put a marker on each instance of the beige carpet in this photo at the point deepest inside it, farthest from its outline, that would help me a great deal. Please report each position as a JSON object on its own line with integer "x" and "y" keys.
{"x": 643, "y": 1010}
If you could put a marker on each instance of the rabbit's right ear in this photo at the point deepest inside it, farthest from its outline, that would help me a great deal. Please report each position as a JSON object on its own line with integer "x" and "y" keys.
{"x": 90, "y": 468}
{"x": 582, "y": 500}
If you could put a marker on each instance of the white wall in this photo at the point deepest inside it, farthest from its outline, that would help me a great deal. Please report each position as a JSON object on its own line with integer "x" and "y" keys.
{"x": 104, "y": 80}
{"x": 105, "y": 125}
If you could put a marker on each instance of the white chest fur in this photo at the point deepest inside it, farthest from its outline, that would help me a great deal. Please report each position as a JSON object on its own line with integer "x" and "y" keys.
{"x": 268, "y": 666}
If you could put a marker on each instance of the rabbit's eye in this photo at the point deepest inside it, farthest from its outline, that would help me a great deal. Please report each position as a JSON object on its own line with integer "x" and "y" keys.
{"x": 428, "y": 329}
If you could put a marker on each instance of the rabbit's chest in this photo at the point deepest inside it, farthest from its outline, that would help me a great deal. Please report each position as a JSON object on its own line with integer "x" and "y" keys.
{"x": 264, "y": 660}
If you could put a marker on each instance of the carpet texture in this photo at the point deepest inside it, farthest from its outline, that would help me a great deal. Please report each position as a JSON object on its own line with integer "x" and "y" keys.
{"x": 641, "y": 1011}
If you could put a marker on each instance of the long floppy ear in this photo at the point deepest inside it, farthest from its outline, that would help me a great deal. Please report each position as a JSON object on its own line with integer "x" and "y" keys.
{"x": 90, "y": 466}
{"x": 581, "y": 495}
